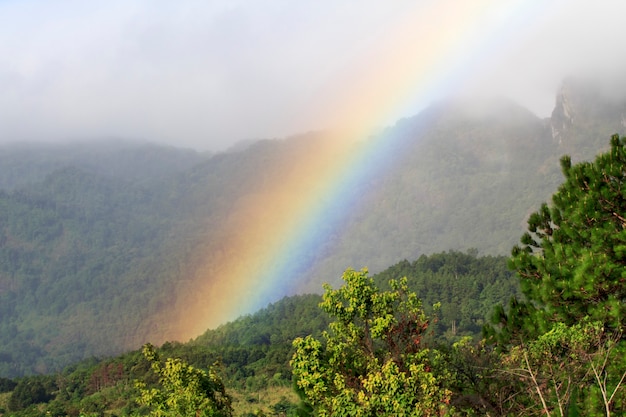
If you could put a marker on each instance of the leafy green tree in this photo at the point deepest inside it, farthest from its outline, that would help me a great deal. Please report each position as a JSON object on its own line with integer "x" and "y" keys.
{"x": 572, "y": 259}
{"x": 571, "y": 370}
{"x": 371, "y": 361}
{"x": 565, "y": 341}
{"x": 31, "y": 390}
{"x": 6, "y": 385}
{"x": 481, "y": 387}
{"x": 184, "y": 391}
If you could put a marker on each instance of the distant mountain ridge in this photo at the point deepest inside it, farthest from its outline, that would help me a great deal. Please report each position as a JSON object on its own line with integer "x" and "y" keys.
{"x": 26, "y": 163}
{"x": 100, "y": 243}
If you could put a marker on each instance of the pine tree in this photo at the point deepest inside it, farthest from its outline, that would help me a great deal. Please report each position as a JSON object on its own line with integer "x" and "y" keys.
{"x": 572, "y": 260}
{"x": 565, "y": 342}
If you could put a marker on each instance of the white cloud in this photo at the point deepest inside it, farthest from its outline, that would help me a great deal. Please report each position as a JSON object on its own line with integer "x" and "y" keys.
{"x": 206, "y": 74}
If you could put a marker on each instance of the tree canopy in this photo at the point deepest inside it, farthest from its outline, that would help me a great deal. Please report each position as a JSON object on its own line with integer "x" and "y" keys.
{"x": 571, "y": 261}
{"x": 565, "y": 340}
{"x": 371, "y": 361}
{"x": 184, "y": 390}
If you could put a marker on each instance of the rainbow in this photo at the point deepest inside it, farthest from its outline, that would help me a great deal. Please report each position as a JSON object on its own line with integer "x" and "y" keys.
{"x": 277, "y": 232}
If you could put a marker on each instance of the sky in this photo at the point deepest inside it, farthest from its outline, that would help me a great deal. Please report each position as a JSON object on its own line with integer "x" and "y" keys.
{"x": 208, "y": 74}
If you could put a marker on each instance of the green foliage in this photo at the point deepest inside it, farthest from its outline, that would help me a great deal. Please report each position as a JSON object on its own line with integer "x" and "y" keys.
{"x": 7, "y": 385}
{"x": 565, "y": 341}
{"x": 92, "y": 249}
{"x": 100, "y": 244}
{"x": 465, "y": 285}
{"x": 480, "y": 386}
{"x": 29, "y": 391}
{"x": 571, "y": 262}
{"x": 571, "y": 369}
{"x": 254, "y": 351}
{"x": 371, "y": 360}
{"x": 184, "y": 390}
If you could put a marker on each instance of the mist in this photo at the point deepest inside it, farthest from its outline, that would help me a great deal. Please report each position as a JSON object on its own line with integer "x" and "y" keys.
{"x": 207, "y": 75}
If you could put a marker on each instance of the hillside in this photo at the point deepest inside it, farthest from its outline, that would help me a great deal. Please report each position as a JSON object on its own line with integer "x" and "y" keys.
{"x": 22, "y": 164}
{"x": 253, "y": 351}
{"x": 105, "y": 247}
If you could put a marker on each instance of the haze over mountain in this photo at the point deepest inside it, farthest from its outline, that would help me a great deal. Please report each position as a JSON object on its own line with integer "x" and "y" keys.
{"x": 106, "y": 246}
{"x": 208, "y": 75}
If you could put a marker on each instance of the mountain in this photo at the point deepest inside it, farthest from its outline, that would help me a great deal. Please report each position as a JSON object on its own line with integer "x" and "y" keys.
{"x": 26, "y": 163}
{"x": 585, "y": 114}
{"x": 253, "y": 351}
{"x": 465, "y": 178}
{"x": 102, "y": 244}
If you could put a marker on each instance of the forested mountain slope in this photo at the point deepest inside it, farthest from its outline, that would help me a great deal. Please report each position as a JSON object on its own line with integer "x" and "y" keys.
{"x": 464, "y": 179}
{"x": 77, "y": 250}
{"x": 468, "y": 174}
{"x": 27, "y": 163}
{"x": 100, "y": 245}
{"x": 253, "y": 351}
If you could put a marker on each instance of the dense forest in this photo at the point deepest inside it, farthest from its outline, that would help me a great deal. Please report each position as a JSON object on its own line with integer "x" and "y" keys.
{"x": 253, "y": 352}
{"x": 373, "y": 346}
{"x": 102, "y": 243}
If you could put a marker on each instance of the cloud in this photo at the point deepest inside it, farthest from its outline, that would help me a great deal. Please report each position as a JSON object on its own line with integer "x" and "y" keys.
{"x": 576, "y": 39}
{"x": 207, "y": 74}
